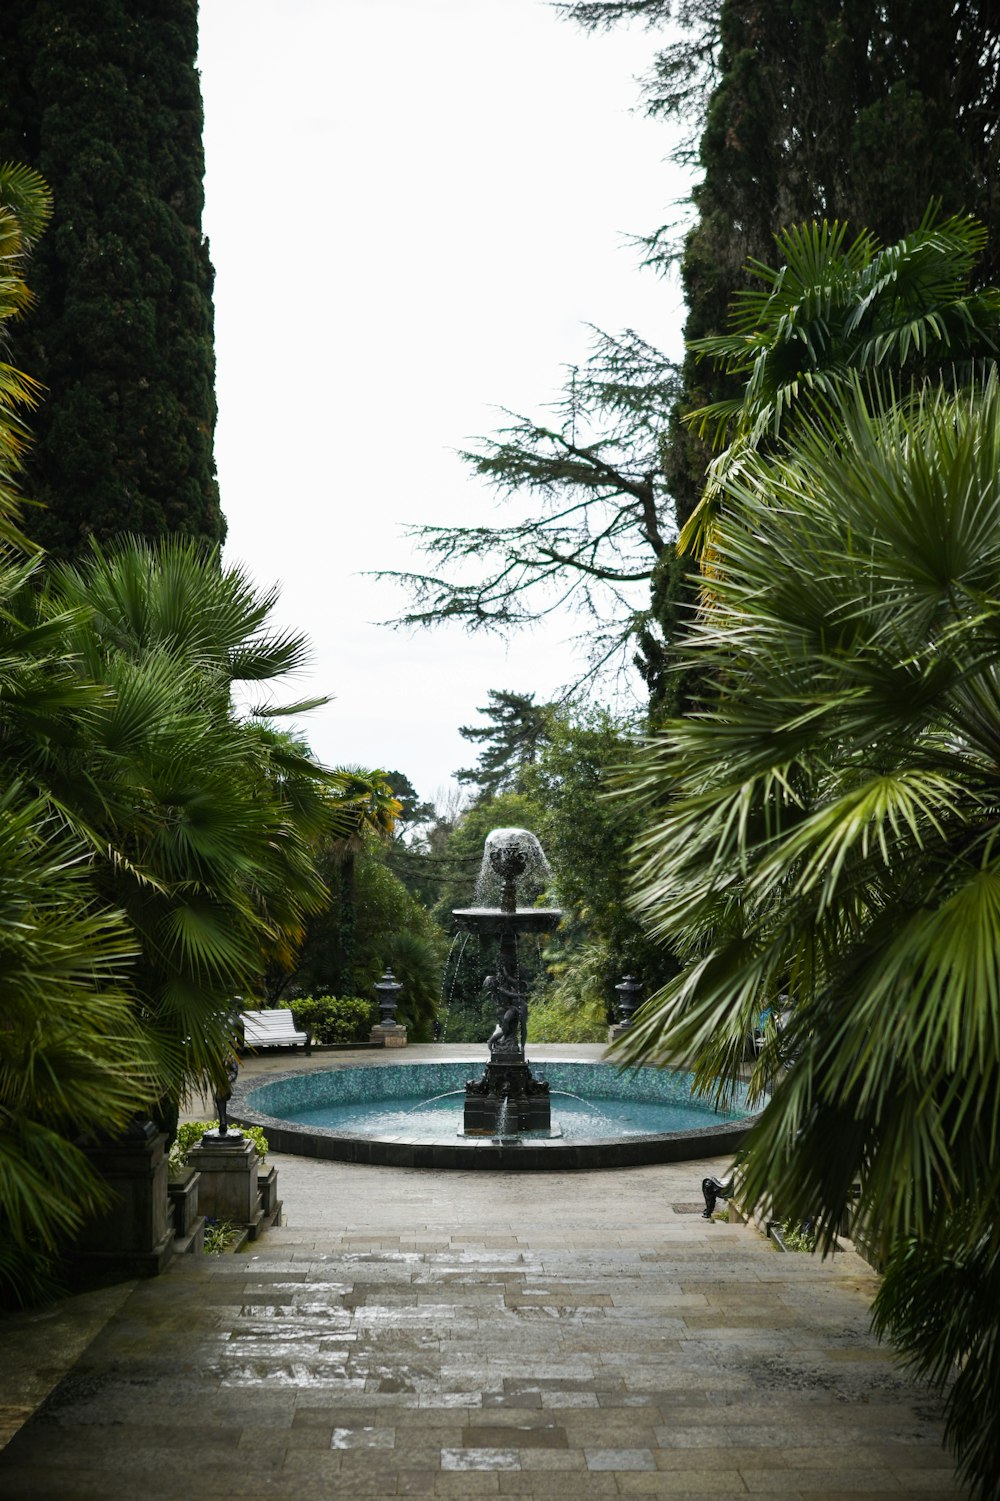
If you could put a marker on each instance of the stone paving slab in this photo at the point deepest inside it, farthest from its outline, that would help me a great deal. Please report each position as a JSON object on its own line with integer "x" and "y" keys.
{"x": 448, "y": 1335}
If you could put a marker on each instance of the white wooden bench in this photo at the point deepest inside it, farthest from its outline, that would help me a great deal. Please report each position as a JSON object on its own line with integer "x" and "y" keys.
{"x": 272, "y": 1029}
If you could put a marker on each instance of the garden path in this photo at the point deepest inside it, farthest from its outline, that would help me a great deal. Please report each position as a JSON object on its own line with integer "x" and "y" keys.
{"x": 466, "y": 1335}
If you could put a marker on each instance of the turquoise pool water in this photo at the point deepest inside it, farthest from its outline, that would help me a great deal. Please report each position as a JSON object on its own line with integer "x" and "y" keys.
{"x": 423, "y": 1103}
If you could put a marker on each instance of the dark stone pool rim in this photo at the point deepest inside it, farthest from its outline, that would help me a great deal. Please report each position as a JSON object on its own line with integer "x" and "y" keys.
{"x": 720, "y": 1138}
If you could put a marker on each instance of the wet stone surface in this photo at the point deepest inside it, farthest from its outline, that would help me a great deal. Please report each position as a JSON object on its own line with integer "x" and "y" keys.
{"x": 412, "y": 1334}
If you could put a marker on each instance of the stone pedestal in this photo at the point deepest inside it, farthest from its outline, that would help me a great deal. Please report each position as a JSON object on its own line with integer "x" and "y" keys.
{"x": 507, "y": 1100}
{"x": 388, "y": 1036}
{"x": 618, "y": 1029}
{"x": 134, "y": 1235}
{"x": 189, "y": 1224}
{"x": 228, "y": 1184}
{"x": 270, "y": 1204}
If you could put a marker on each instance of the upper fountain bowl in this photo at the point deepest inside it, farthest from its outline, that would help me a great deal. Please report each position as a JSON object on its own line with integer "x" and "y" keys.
{"x": 493, "y": 920}
{"x": 513, "y": 877}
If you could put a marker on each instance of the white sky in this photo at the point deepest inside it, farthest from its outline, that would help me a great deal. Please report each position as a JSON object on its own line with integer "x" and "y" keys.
{"x": 414, "y": 208}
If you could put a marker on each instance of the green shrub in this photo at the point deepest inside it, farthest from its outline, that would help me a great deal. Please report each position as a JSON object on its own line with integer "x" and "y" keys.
{"x": 218, "y": 1234}
{"x": 572, "y": 1007}
{"x": 189, "y": 1134}
{"x": 416, "y": 963}
{"x": 797, "y": 1236}
{"x": 349, "y": 1019}
{"x": 566, "y": 1018}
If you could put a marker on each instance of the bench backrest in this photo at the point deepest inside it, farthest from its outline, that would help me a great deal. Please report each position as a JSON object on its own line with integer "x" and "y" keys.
{"x": 270, "y": 1026}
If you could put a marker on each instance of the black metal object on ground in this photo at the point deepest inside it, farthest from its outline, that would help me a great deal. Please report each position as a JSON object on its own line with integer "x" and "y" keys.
{"x": 714, "y": 1189}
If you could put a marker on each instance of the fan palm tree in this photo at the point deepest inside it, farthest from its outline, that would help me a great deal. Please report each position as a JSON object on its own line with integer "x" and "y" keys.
{"x": 825, "y": 836}
{"x": 25, "y": 207}
{"x": 371, "y": 807}
{"x": 73, "y": 1058}
{"x": 155, "y": 847}
{"x": 833, "y": 309}
{"x": 202, "y": 822}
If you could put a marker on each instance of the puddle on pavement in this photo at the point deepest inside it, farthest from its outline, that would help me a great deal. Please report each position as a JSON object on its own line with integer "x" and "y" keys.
{"x": 480, "y": 1459}
{"x": 363, "y": 1438}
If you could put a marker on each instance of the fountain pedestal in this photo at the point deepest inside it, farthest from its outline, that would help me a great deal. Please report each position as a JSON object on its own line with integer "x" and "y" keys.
{"x": 508, "y": 1099}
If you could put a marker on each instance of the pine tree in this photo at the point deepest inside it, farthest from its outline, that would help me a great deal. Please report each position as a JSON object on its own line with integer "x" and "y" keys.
{"x": 854, "y": 111}
{"x": 102, "y": 97}
{"x": 510, "y": 742}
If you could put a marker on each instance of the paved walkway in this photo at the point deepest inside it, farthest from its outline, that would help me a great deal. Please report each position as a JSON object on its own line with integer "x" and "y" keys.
{"x": 410, "y": 1333}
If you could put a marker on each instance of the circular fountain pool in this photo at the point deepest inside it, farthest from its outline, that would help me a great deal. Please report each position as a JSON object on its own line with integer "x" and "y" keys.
{"x": 410, "y": 1115}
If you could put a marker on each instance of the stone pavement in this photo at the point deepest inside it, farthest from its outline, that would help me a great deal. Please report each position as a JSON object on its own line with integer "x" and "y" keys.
{"x": 411, "y": 1333}
{"x": 471, "y": 1334}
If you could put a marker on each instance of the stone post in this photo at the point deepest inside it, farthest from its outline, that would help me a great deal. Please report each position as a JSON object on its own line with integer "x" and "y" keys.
{"x": 629, "y": 999}
{"x": 387, "y": 1031}
{"x": 189, "y": 1223}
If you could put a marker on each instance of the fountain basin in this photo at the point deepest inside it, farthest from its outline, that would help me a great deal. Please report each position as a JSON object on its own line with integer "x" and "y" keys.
{"x": 272, "y": 1102}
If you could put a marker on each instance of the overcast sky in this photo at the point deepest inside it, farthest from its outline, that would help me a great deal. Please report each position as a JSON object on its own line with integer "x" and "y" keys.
{"x": 415, "y": 207}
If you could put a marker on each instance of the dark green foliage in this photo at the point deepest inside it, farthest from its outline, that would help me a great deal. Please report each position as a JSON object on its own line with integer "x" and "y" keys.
{"x": 416, "y": 964}
{"x": 102, "y": 97}
{"x": 25, "y": 207}
{"x": 416, "y": 961}
{"x": 381, "y": 909}
{"x": 586, "y": 832}
{"x": 823, "y": 839}
{"x": 837, "y": 307}
{"x": 854, "y": 111}
{"x": 333, "y": 1020}
{"x": 411, "y": 810}
{"x": 574, "y": 1004}
{"x": 72, "y": 1059}
{"x": 937, "y": 1302}
{"x": 850, "y": 111}
{"x": 200, "y": 825}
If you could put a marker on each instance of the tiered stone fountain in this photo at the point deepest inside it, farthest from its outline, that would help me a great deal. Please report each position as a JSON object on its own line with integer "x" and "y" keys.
{"x": 409, "y": 1115}
{"x": 509, "y": 1099}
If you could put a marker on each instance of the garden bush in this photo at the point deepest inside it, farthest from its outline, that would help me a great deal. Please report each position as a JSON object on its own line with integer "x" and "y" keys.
{"x": 349, "y": 1019}
{"x": 573, "y": 1006}
{"x": 567, "y": 1018}
{"x": 189, "y": 1134}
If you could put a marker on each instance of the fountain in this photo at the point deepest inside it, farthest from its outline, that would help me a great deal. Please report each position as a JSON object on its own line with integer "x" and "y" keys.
{"x": 431, "y": 1114}
{"x": 508, "y": 1095}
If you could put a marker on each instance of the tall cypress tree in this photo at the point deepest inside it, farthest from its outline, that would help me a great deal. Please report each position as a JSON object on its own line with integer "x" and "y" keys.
{"x": 103, "y": 98}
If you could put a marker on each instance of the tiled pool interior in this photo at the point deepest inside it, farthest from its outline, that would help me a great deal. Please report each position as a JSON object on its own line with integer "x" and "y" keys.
{"x": 414, "y": 1081}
